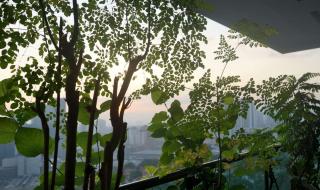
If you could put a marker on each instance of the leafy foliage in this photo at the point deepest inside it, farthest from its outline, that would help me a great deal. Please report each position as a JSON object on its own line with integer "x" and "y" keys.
{"x": 294, "y": 103}
{"x": 29, "y": 141}
{"x": 8, "y": 129}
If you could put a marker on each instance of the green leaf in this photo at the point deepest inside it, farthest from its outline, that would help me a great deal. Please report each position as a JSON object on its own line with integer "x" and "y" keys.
{"x": 82, "y": 138}
{"x": 159, "y": 117}
{"x": 29, "y": 141}
{"x": 24, "y": 115}
{"x": 84, "y": 115}
{"x": 161, "y": 132}
{"x": 96, "y": 157}
{"x": 166, "y": 158}
{"x": 105, "y": 106}
{"x": 105, "y": 138}
{"x": 150, "y": 170}
{"x": 80, "y": 168}
{"x": 8, "y": 129}
{"x": 171, "y": 146}
{"x": 176, "y": 111}
{"x": 6, "y": 87}
{"x": 228, "y": 100}
{"x": 228, "y": 154}
{"x": 87, "y": 56}
{"x": 155, "y": 126}
{"x": 158, "y": 97}
{"x": 3, "y": 111}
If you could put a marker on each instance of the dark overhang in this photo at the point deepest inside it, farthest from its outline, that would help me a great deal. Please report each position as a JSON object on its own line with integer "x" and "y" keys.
{"x": 296, "y": 21}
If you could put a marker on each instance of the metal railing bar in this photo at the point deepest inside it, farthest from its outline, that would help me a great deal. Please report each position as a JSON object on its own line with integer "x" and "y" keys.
{"x": 174, "y": 176}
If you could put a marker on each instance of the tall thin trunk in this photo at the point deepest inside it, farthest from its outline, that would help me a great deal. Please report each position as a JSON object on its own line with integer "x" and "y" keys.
{"x": 72, "y": 96}
{"x": 73, "y": 104}
{"x": 57, "y": 135}
{"x": 118, "y": 126}
{"x": 219, "y": 138}
{"x": 121, "y": 157}
{"x": 45, "y": 129}
{"x": 93, "y": 109}
{"x": 68, "y": 50}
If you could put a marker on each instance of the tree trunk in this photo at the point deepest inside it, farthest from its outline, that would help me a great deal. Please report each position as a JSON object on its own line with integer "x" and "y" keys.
{"x": 45, "y": 129}
{"x": 88, "y": 167}
{"x": 57, "y": 135}
{"x": 121, "y": 157}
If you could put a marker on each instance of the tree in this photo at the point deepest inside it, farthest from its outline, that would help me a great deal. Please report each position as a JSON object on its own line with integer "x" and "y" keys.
{"x": 213, "y": 110}
{"x": 159, "y": 38}
{"x": 133, "y": 41}
{"x": 293, "y": 102}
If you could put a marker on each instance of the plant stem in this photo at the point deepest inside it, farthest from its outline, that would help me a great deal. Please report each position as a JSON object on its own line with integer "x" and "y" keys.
{"x": 88, "y": 168}
{"x": 57, "y": 135}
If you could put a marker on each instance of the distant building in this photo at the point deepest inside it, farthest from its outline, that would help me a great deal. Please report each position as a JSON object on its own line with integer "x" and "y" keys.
{"x": 23, "y": 166}
{"x": 254, "y": 120}
{"x": 136, "y": 136}
{"x": 7, "y": 150}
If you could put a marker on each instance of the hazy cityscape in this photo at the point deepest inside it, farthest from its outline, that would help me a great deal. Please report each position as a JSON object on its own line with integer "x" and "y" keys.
{"x": 19, "y": 172}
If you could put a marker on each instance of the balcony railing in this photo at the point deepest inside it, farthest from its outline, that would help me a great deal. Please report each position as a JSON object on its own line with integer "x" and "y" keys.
{"x": 189, "y": 173}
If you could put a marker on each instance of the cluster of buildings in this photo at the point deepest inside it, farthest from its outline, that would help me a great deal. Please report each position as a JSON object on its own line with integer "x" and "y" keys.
{"x": 16, "y": 171}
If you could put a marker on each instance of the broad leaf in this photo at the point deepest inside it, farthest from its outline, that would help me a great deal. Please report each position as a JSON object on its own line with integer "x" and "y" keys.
{"x": 176, "y": 111}
{"x": 228, "y": 154}
{"x": 228, "y": 100}
{"x": 158, "y": 97}
{"x": 171, "y": 146}
{"x": 105, "y": 138}
{"x": 166, "y": 158}
{"x": 82, "y": 139}
{"x": 29, "y": 141}
{"x": 159, "y": 133}
{"x": 84, "y": 115}
{"x": 3, "y": 111}
{"x": 8, "y": 129}
{"x": 105, "y": 106}
{"x": 159, "y": 117}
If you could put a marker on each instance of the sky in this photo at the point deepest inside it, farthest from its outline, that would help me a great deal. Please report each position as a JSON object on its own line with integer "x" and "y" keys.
{"x": 258, "y": 63}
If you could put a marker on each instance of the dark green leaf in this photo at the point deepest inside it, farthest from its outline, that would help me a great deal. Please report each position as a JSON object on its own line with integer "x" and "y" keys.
{"x": 228, "y": 100}
{"x": 29, "y": 141}
{"x": 105, "y": 138}
{"x": 159, "y": 117}
{"x": 176, "y": 111}
{"x": 84, "y": 115}
{"x": 171, "y": 146}
{"x": 8, "y": 129}
{"x": 159, "y": 133}
{"x": 105, "y": 106}
{"x": 158, "y": 97}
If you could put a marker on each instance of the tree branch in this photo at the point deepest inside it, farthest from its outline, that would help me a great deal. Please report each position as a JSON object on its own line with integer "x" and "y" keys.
{"x": 75, "y": 33}
{"x": 44, "y": 17}
{"x": 88, "y": 167}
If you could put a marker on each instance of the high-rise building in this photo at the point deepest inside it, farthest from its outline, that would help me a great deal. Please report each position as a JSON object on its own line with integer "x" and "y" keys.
{"x": 7, "y": 151}
{"x": 136, "y": 136}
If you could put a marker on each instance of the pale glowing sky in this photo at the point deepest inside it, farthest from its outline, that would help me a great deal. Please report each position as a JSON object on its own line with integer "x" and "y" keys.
{"x": 257, "y": 63}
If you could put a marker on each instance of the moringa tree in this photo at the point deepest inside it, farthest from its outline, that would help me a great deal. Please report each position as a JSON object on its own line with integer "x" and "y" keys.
{"x": 157, "y": 41}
